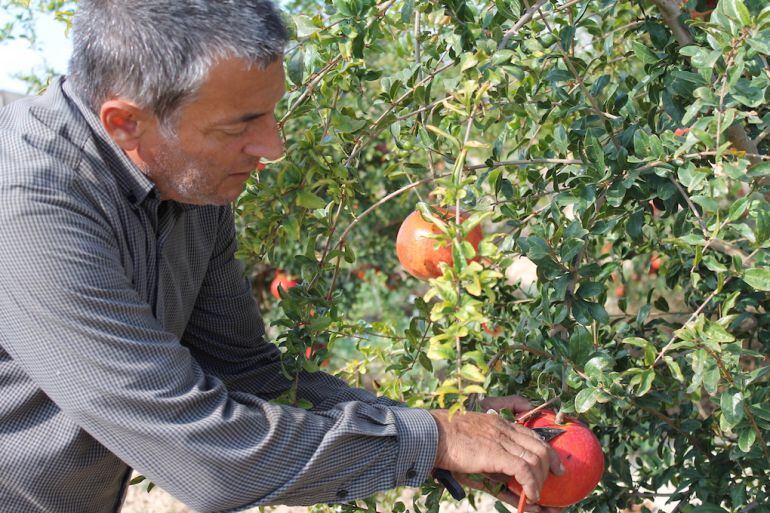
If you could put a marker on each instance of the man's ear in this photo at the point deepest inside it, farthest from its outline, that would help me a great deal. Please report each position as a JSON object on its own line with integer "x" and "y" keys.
{"x": 124, "y": 122}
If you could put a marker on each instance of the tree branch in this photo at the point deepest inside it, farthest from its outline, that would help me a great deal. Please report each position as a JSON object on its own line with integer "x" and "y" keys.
{"x": 528, "y": 14}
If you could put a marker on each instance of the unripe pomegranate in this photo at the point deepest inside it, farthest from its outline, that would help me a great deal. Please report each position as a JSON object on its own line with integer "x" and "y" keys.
{"x": 580, "y": 453}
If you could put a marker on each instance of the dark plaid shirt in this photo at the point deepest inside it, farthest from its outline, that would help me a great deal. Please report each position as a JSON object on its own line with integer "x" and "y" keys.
{"x": 129, "y": 339}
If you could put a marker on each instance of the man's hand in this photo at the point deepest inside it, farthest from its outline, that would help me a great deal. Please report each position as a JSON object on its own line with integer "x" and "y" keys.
{"x": 477, "y": 443}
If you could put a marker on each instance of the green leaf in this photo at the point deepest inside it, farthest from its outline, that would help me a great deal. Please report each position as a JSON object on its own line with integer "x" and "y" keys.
{"x": 643, "y": 53}
{"x": 426, "y": 362}
{"x": 717, "y": 333}
{"x": 599, "y": 313}
{"x": 636, "y": 341}
{"x": 536, "y": 248}
{"x": 473, "y": 373}
{"x": 436, "y": 130}
{"x": 761, "y": 43}
{"x": 590, "y": 289}
{"x": 468, "y": 61}
{"x": 136, "y": 480}
{"x": 746, "y": 439}
{"x": 763, "y": 412}
{"x": 676, "y": 372}
{"x": 500, "y": 507}
{"x": 635, "y": 223}
{"x": 305, "y": 26}
{"x": 580, "y": 345}
{"x": 585, "y": 399}
{"x": 407, "y": 10}
{"x": 642, "y": 381}
{"x": 736, "y": 10}
{"x": 762, "y": 228}
{"x": 757, "y": 374}
{"x": 581, "y": 312}
{"x": 760, "y": 170}
{"x": 693, "y": 178}
{"x": 295, "y": 68}
{"x": 748, "y": 94}
{"x": 732, "y": 407}
{"x": 307, "y": 199}
{"x": 758, "y": 278}
{"x": 474, "y": 389}
{"x": 595, "y": 153}
{"x": 570, "y": 248}
{"x": 738, "y": 209}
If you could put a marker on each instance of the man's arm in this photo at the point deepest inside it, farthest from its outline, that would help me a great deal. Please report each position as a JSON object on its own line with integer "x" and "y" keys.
{"x": 225, "y": 334}
{"x": 72, "y": 320}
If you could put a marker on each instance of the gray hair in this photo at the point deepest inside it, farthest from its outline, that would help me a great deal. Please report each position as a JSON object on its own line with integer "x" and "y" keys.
{"x": 158, "y": 53}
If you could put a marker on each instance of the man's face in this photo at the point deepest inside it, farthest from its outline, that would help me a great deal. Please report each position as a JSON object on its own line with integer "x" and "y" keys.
{"x": 220, "y": 136}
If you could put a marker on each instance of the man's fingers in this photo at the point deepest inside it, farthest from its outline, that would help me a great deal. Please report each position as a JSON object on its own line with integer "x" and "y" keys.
{"x": 550, "y": 460}
{"x": 515, "y": 403}
{"x": 557, "y": 467}
{"x": 524, "y": 467}
{"x": 532, "y": 442}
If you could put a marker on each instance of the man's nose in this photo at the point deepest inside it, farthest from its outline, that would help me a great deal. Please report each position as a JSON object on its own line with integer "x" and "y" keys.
{"x": 267, "y": 143}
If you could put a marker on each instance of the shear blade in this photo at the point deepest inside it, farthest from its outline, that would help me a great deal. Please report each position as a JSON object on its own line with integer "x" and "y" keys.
{"x": 548, "y": 433}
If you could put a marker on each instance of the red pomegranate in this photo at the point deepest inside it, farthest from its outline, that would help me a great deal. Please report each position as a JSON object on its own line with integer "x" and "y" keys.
{"x": 418, "y": 253}
{"x": 494, "y": 331}
{"x": 283, "y": 281}
{"x": 580, "y": 452}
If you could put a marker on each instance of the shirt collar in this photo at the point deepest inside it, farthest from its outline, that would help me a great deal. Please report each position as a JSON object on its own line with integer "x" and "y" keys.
{"x": 134, "y": 183}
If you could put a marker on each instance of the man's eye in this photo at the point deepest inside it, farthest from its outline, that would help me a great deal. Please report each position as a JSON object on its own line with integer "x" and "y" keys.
{"x": 234, "y": 130}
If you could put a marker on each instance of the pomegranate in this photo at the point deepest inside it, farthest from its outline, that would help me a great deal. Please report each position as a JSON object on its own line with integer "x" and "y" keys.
{"x": 580, "y": 453}
{"x": 283, "y": 281}
{"x": 494, "y": 331}
{"x": 655, "y": 262}
{"x": 420, "y": 254}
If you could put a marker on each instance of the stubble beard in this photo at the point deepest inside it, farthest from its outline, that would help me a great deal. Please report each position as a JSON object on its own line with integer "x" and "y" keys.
{"x": 182, "y": 177}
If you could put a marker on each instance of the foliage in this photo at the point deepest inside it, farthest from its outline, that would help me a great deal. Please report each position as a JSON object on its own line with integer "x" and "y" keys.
{"x": 590, "y": 137}
{"x": 560, "y": 135}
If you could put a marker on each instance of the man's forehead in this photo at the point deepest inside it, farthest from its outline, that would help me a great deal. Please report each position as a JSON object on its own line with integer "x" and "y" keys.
{"x": 234, "y": 88}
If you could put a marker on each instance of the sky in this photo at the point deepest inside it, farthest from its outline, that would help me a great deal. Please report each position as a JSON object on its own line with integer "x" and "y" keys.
{"x": 17, "y": 57}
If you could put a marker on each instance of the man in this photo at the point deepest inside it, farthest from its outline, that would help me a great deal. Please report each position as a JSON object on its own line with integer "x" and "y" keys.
{"x": 128, "y": 335}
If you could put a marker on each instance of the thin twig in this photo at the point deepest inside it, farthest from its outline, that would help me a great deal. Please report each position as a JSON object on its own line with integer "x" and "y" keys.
{"x": 524, "y": 162}
{"x": 520, "y": 23}
{"x": 309, "y": 88}
{"x": 360, "y": 143}
{"x": 380, "y": 202}
{"x": 536, "y": 409}
{"x": 696, "y": 313}
{"x": 690, "y": 204}
{"x": 761, "y": 137}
